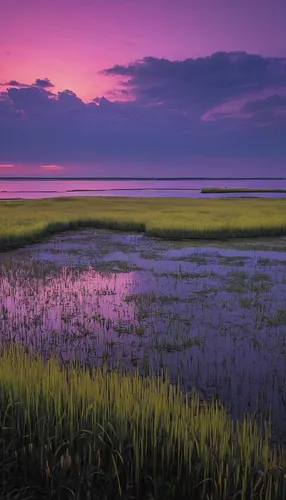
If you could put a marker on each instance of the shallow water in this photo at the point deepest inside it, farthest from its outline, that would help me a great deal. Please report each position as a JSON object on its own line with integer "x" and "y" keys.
{"x": 213, "y": 317}
{"x": 191, "y": 188}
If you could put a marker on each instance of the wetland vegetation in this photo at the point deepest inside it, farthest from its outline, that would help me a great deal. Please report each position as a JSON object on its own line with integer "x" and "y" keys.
{"x": 24, "y": 221}
{"x": 141, "y": 368}
{"x": 86, "y": 433}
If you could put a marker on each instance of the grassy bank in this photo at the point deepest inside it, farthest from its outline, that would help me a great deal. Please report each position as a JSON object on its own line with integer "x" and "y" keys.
{"x": 29, "y": 220}
{"x": 209, "y": 190}
{"x": 79, "y": 433}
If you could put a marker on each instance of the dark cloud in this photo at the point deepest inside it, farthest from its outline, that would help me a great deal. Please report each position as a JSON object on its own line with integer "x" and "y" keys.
{"x": 41, "y": 83}
{"x": 224, "y": 105}
{"x": 44, "y": 84}
{"x": 12, "y": 83}
{"x": 200, "y": 83}
{"x": 270, "y": 106}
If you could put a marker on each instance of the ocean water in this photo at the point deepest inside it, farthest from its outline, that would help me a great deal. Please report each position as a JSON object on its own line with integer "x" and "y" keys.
{"x": 186, "y": 188}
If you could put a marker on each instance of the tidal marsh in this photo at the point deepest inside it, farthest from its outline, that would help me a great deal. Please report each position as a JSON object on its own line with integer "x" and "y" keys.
{"x": 26, "y": 221}
{"x": 71, "y": 297}
{"x": 84, "y": 433}
{"x": 186, "y": 316}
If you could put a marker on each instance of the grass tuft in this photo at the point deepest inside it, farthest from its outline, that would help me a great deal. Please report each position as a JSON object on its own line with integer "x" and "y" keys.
{"x": 73, "y": 432}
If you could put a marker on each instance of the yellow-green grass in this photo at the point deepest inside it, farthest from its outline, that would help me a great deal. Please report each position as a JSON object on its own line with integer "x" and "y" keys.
{"x": 75, "y": 432}
{"x": 241, "y": 190}
{"x": 28, "y": 220}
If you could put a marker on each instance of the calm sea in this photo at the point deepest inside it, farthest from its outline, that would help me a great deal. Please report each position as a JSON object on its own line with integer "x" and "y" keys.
{"x": 183, "y": 188}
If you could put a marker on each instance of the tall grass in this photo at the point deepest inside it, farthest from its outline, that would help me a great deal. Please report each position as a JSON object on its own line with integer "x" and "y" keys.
{"x": 29, "y": 220}
{"x": 73, "y": 432}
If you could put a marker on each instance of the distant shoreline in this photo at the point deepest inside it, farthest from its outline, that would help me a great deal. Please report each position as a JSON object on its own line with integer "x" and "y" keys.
{"x": 213, "y": 190}
{"x": 142, "y": 178}
{"x": 131, "y": 189}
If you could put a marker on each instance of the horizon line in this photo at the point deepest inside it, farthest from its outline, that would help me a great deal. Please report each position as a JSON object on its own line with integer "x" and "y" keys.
{"x": 25, "y": 178}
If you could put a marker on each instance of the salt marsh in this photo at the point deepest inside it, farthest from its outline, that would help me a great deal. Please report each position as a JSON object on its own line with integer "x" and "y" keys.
{"x": 211, "y": 317}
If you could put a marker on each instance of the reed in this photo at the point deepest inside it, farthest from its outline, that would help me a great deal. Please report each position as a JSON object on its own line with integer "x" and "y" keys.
{"x": 78, "y": 432}
{"x": 27, "y": 221}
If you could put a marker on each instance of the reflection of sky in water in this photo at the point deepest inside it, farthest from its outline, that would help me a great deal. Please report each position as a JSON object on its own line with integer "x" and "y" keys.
{"x": 216, "y": 318}
{"x": 190, "y": 188}
{"x": 72, "y": 309}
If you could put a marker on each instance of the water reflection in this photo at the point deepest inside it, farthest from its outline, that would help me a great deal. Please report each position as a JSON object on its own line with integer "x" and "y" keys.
{"x": 214, "y": 319}
{"x": 191, "y": 188}
{"x": 72, "y": 313}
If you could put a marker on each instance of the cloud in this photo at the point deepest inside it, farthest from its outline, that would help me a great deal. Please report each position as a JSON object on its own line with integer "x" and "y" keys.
{"x": 44, "y": 84}
{"x": 226, "y": 104}
{"x": 248, "y": 105}
{"x": 201, "y": 82}
{"x": 12, "y": 83}
{"x": 41, "y": 83}
{"x": 52, "y": 167}
{"x": 269, "y": 106}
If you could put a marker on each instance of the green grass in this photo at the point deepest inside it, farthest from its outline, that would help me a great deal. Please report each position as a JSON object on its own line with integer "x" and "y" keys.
{"x": 241, "y": 190}
{"x": 85, "y": 434}
{"x": 27, "y": 221}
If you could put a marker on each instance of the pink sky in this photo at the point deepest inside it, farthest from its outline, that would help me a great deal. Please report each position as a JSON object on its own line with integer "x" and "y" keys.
{"x": 69, "y": 41}
{"x": 228, "y": 107}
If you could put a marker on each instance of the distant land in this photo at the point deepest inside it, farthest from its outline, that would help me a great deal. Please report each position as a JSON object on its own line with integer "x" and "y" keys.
{"x": 142, "y": 178}
{"x": 212, "y": 190}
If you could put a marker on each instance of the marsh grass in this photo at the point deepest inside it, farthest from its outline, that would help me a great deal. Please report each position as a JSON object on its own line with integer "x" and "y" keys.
{"x": 73, "y": 432}
{"x": 29, "y": 220}
{"x": 91, "y": 433}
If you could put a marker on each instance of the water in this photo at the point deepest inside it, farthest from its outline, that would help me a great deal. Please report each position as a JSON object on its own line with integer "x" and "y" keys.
{"x": 191, "y": 188}
{"x": 214, "y": 318}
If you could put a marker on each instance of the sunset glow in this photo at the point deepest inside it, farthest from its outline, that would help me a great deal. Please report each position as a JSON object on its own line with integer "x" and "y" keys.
{"x": 100, "y": 83}
{"x": 52, "y": 167}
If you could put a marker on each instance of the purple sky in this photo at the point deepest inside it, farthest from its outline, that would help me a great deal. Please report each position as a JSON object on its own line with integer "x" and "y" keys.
{"x": 129, "y": 87}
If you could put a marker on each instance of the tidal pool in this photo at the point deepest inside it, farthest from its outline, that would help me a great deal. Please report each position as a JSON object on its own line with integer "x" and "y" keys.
{"x": 214, "y": 319}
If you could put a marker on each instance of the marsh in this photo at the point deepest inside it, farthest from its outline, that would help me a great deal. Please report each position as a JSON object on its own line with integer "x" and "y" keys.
{"x": 213, "y": 318}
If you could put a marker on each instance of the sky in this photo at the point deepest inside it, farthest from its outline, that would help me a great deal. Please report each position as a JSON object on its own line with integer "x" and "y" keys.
{"x": 153, "y": 87}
